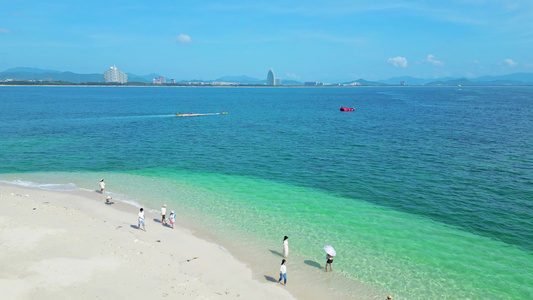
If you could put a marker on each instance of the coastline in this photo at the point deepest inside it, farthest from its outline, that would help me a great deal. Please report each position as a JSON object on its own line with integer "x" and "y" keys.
{"x": 59, "y": 243}
{"x": 209, "y": 266}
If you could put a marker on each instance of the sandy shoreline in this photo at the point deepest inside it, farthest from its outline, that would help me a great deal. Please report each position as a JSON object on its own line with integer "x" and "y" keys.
{"x": 60, "y": 244}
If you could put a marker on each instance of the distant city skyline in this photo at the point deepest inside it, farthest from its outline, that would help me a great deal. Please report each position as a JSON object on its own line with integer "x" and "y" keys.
{"x": 326, "y": 41}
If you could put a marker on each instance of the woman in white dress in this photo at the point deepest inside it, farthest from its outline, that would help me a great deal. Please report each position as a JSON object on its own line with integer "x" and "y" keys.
{"x": 286, "y": 246}
{"x": 102, "y": 186}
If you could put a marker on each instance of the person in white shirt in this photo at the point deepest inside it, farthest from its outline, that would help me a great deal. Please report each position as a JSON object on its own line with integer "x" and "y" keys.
{"x": 283, "y": 272}
{"x": 102, "y": 186}
{"x": 164, "y": 214}
{"x": 172, "y": 219}
{"x": 141, "y": 219}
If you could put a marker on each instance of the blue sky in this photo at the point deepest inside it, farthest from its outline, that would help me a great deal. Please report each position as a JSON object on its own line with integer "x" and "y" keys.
{"x": 329, "y": 41}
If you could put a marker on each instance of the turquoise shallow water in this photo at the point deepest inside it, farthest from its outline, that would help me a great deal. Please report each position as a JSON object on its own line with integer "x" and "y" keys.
{"x": 424, "y": 192}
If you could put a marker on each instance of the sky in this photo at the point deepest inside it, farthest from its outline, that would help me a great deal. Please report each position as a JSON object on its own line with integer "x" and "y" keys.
{"x": 313, "y": 40}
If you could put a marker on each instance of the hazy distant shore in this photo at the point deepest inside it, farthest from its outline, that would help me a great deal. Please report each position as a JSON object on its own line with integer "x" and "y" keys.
{"x": 242, "y": 85}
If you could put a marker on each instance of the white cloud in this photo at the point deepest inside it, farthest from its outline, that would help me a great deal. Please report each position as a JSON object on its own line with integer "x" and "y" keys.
{"x": 5, "y": 31}
{"x": 183, "y": 38}
{"x": 398, "y": 61}
{"x": 432, "y": 60}
{"x": 509, "y": 62}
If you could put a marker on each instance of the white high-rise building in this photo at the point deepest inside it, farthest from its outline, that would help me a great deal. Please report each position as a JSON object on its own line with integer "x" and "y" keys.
{"x": 115, "y": 75}
{"x": 271, "y": 80}
{"x": 159, "y": 80}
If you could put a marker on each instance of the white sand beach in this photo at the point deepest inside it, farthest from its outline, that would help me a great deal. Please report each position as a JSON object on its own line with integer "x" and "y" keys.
{"x": 60, "y": 245}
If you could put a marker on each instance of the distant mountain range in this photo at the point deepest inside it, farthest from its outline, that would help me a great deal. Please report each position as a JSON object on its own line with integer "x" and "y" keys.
{"x": 509, "y": 79}
{"x": 51, "y": 75}
{"x": 36, "y": 74}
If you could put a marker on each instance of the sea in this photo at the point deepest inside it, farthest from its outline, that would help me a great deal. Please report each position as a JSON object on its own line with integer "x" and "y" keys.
{"x": 424, "y": 192}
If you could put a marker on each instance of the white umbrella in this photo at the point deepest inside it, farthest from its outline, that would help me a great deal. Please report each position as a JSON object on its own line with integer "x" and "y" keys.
{"x": 330, "y": 250}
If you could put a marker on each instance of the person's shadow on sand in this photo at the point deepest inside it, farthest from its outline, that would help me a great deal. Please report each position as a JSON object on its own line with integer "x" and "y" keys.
{"x": 313, "y": 264}
{"x": 159, "y": 221}
{"x": 276, "y": 253}
{"x": 270, "y": 278}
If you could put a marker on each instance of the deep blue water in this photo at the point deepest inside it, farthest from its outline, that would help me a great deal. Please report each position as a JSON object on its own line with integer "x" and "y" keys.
{"x": 459, "y": 157}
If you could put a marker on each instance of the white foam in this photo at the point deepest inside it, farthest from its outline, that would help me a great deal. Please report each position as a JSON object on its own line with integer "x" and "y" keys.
{"x": 226, "y": 251}
{"x": 63, "y": 187}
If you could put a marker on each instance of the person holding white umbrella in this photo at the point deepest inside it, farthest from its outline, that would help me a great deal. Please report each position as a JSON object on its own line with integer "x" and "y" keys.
{"x": 330, "y": 253}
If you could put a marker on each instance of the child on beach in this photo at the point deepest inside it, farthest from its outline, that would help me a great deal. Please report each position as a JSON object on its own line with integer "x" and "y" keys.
{"x": 283, "y": 272}
{"x": 164, "y": 214}
{"x": 102, "y": 186}
{"x": 286, "y": 246}
{"x": 141, "y": 219}
{"x": 172, "y": 219}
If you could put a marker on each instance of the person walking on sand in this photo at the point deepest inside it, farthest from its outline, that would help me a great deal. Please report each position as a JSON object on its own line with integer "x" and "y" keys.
{"x": 329, "y": 261}
{"x": 102, "y": 186}
{"x": 283, "y": 272}
{"x": 172, "y": 219}
{"x": 164, "y": 214}
{"x": 141, "y": 219}
{"x": 286, "y": 246}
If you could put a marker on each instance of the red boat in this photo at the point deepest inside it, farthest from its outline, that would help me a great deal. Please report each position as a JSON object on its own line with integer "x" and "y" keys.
{"x": 347, "y": 108}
